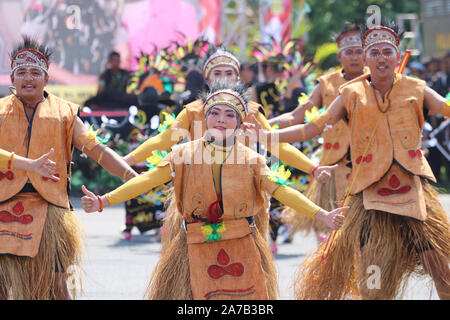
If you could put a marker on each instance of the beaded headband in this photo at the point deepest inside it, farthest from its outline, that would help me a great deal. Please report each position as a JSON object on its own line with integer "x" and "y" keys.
{"x": 229, "y": 98}
{"x": 349, "y": 39}
{"x": 29, "y": 58}
{"x": 220, "y": 58}
{"x": 380, "y": 34}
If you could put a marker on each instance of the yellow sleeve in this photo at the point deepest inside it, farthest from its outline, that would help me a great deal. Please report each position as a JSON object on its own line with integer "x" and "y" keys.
{"x": 445, "y": 111}
{"x": 286, "y": 152}
{"x": 141, "y": 184}
{"x": 4, "y": 158}
{"x": 295, "y": 200}
{"x": 162, "y": 141}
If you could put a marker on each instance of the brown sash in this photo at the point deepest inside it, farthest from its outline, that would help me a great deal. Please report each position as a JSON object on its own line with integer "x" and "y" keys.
{"x": 399, "y": 192}
{"x": 224, "y": 262}
{"x": 22, "y": 220}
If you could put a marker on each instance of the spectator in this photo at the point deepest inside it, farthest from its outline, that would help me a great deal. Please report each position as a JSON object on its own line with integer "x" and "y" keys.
{"x": 417, "y": 70}
{"x": 434, "y": 77}
{"x": 113, "y": 79}
{"x": 112, "y": 87}
{"x": 248, "y": 74}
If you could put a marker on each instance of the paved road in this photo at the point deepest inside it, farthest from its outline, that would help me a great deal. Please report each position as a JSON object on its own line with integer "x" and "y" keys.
{"x": 118, "y": 269}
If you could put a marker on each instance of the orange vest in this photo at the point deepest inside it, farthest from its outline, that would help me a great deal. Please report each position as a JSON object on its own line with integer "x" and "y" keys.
{"x": 244, "y": 181}
{"x": 336, "y": 139}
{"x": 197, "y": 117}
{"x": 52, "y": 127}
{"x": 399, "y": 133}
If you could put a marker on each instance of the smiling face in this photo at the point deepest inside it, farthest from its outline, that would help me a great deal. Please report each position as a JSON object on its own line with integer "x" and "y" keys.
{"x": 382, "y": 59}
{"x": 29, "y": 82}
{"x": 223, "y": 72}
{"x": 221, "y": 122}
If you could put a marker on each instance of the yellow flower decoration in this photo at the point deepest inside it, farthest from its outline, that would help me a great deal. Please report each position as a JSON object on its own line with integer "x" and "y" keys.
{"x": 93, "y": 134}
{"x": 91, "y": 131}
{"x": 168, "y": 120}
{"x": 213, "y": 231}
{"x": 303, "y": 99}
{"x": 155, "y": 158}
{"x": 313, "y": 114}
{"x": 279, "y": 174}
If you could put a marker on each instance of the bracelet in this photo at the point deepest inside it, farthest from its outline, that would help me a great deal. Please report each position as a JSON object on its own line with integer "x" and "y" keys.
{"x": 314, "y": 170}
{"x": 101, "y": 204}
{"x": 10, "y": 160}
{"x": 302, "y": 133}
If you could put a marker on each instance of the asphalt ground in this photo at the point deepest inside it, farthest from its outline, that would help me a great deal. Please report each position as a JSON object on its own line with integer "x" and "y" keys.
{"x": 119, "y": 269}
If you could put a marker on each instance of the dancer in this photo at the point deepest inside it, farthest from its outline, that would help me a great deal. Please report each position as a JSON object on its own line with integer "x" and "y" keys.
{"x": 190, "y": 122}
{"x": 219, "y": 185}
{"x": 395, "y": 223}
{"x": 220, "y": 64}
{"x": 41, "y": 237}
{"x": 336, "y": 139}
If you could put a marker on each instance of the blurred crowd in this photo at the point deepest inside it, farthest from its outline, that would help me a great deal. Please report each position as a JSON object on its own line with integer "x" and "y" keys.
{"x": 436, "y": 72}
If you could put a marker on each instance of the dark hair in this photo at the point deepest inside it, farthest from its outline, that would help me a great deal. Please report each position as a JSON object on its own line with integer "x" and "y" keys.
{"x": 385, "y": 22}
{"x": 348, "y": 26}
{"x": 113, "y": 54}
{"x": 251, "y": 66}
{"x": 275, "y": 62}
{"x": 30, "y": 43}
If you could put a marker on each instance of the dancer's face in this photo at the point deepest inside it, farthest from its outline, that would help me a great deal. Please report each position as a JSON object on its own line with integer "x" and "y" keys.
{"x": 221, "y": 122}
{"x": 351, "y": 60}
{"x": 29, "y": 82}
{"x": 223, "y": 72}
{"x": 382, "y": 59}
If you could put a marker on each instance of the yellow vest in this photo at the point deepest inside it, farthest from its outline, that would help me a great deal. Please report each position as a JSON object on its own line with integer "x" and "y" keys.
{"x": 52, "y": 127}
{"x": 399, "y": 133}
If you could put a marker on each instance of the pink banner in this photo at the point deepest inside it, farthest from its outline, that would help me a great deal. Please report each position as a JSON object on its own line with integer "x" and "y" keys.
{"x": 82, "y": 33}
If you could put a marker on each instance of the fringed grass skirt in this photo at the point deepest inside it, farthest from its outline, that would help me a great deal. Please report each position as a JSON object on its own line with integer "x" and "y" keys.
{"x": 171, "y": 278}
{"x": 60, "y": 250}
{"x": 374, "y": 253}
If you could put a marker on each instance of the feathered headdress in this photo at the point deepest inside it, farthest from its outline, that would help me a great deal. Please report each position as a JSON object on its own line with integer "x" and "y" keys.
{"x": 148, "y": 64}
{"x": 183, "y": 56}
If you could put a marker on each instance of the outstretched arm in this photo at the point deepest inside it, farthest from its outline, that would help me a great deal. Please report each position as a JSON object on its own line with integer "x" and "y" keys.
{"x": 286, "y": 152}
{"x": 435, "y": 103}
{"x": 129, "y": 190}
{"x": 162, "y": 141}
{"x": 297, "y": 201}
{"x": 297, "y": 116}
{"x": 42, "y": 166}
{"x": 305, "y": 132}
{"x": 107, "y": 158}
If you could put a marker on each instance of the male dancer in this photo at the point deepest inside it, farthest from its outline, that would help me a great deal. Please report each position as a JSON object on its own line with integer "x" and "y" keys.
{"x": 40, "y": 237}
{"x": 336, "y": 139}
{"x": 395, "y": 221}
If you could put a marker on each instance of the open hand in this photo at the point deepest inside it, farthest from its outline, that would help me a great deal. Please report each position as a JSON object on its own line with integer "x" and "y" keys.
{"x": 44, "y": 166}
